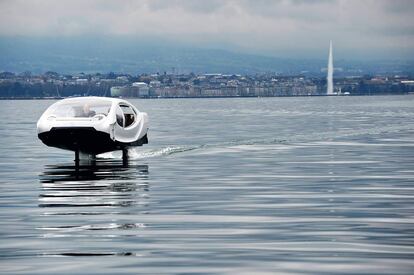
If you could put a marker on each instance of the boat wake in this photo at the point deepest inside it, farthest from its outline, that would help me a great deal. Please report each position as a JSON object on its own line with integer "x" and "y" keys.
{"x": 165, "y": 151}
{"x": 300, "y": 138}
{"x": 144, "y": 154}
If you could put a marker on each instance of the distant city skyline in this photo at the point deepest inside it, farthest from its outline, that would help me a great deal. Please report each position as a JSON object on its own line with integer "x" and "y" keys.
{"x": 281, "y": 28}
{"x": 56, "y": 85}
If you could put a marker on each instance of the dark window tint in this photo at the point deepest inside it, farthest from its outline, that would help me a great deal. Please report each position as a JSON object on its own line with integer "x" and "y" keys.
{"x": 119, "y": 117}
{"x": 129, "y": 115}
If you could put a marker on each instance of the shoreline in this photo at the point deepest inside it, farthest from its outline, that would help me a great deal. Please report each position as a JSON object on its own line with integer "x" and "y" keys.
{"x": 193, "y": 97}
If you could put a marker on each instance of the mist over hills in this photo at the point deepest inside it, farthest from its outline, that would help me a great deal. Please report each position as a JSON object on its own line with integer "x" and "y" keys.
{"x": 134, "y": 56}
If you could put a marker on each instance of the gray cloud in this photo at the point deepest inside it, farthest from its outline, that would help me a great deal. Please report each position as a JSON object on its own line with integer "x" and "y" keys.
{"x": 197, "y": 6}
{"x": 261, "y": 26}
{"x": 399, "y": 6}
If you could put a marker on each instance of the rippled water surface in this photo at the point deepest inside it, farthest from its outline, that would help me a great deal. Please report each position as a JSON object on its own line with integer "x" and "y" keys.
{"x": 239, "y": 186}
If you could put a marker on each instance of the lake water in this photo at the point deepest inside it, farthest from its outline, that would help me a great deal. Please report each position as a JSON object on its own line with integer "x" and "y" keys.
{"x": 319, "y": 185}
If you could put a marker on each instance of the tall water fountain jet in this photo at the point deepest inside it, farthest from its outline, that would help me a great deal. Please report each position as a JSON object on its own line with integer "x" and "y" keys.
{"x": 329, "y": 78}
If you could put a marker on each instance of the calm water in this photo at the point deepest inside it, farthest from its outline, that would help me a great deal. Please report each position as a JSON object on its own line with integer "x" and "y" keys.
{"x": 241, "y": 186}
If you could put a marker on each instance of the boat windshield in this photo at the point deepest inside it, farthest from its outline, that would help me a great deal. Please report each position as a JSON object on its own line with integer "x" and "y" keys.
{"x": 81, "y": 108}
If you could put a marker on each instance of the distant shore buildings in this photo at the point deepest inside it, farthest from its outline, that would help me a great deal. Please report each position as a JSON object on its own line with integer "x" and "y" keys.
{"x": 54, "y": 85}
{"x": 136, "y": 89}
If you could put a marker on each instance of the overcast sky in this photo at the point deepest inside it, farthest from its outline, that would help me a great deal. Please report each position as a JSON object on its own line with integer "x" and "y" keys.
{"x": 270, "y": 27}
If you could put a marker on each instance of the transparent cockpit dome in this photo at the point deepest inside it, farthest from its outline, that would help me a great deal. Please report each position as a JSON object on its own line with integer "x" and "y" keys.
{"x": 80, "y": 108}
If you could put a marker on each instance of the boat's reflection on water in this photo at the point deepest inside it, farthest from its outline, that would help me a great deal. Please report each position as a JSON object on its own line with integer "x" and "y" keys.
{"x": 93, "y": 185}
{"x": 97, "y": 202}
